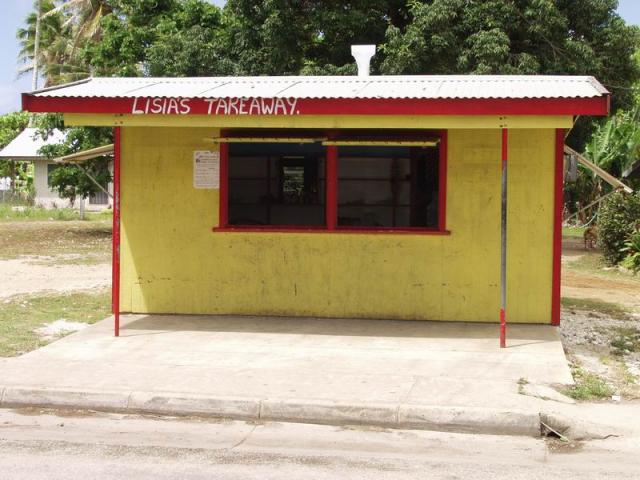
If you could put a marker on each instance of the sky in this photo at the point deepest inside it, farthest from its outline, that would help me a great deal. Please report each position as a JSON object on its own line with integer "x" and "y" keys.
{"x": 14, "y": 12}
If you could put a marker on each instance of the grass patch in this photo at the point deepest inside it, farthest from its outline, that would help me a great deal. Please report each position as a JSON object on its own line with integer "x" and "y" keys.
{"x": 605, "y": 308}
{"x": 20, "y": 316}
{"x": 593, "y": 263}
{"x": 625, "y": 340}
{"x": 74, "y": 238}
{"x": 588, "y": 386}
{"x": 10, "y": 214}
{"x": 573, "y": 231}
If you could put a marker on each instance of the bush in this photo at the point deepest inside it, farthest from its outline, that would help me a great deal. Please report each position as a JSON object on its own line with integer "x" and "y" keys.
{"x": 618, "y": 218}
{"x": 632, "y": 251}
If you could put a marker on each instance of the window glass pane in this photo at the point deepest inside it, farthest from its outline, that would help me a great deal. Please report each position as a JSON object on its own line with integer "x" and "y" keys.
{"x": 388, "y": 187}
{"x": 276, "y": 184}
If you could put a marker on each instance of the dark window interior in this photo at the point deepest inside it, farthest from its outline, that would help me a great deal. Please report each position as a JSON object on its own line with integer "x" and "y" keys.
{"x": 276, "y": 184}
{"x": 388, "y": 187}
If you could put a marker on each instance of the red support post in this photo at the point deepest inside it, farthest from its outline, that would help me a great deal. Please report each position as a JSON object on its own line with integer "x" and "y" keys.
{"x": 558, "y": 205}
{"x": 442, "y": 183}
{"x": 503, "y": 241}
{"x": 223, "y": 220}
{"x": 115, "y": 249}
{"x": 331, "y": 209}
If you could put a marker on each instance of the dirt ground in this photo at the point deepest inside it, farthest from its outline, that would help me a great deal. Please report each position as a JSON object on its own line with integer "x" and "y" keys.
{"x": 35, "y": 275}
{"x": 600, "y": 324}
{"x": 39, "y": 257}
{"x": 583, "y": 276}
{"x": 54, "y": 279}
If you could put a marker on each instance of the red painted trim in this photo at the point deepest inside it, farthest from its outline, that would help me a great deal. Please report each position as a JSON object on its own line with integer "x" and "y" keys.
{"x": 348, "y": 106}
{"x": 331, "y": 194}
{"x": 223, "y": 219}
{"x": 558, "y": 205}
{"x": 115, "y": 273}
{"x": 503, "y": 279}
{"x": 442, "y": 182}
{"x": 316, "y": 230}
{"x": 505, "y": 145}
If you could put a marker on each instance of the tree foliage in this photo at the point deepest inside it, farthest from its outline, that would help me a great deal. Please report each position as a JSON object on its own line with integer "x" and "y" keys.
{"x": 58, "y": 61}
{"x": 71, "y": 181}
{"x": 11, "y": 124}
{"x": 618, "y": 220}
{"x": 615, "y": 144}
{"x": 516, "y": 37}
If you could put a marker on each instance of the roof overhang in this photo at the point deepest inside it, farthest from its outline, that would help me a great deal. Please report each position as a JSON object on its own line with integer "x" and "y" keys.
{"x": 179, "y": 106}
{"x": 332, "y": 95}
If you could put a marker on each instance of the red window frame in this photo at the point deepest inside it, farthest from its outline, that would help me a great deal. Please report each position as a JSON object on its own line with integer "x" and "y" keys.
{"x": 331, "y": 207}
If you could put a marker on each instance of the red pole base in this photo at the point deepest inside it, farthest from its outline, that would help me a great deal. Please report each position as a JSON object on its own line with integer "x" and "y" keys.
{"x": 503, "y": 328}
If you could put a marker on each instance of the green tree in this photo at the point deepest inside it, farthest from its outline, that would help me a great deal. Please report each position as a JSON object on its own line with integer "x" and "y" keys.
{"x": 85, "y": 16}
{"x": 518, "y": 37}
{"x": 128, "y": 32}
{"x": 58, "y": 61}
{"x": 189, "y": 43}
{"x": 71, "y": 181}
{"x": 278, "y": 37}
{"x": 11, "y": 124}
{"x": 615, "y": 144}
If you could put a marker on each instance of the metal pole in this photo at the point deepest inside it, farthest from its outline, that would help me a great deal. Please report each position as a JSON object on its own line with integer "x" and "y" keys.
{"x": 503, "y": 243}
{"x": 36, "y": 48}
{"x": 115, "y": 272}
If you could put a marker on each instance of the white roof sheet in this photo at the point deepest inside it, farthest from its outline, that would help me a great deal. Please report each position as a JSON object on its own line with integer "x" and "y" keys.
{"x": 27, "y": 144}
{"x": 414, "y": 87}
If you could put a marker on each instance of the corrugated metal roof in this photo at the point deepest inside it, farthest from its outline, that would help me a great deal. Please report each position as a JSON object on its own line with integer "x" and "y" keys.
{"x": 409, "y": 87}
{"x": 28, "y": 142}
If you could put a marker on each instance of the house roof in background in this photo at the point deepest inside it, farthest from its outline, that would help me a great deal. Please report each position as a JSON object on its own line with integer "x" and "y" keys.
{"x": 387, "y": 87}
{"x": 26, "y": 145}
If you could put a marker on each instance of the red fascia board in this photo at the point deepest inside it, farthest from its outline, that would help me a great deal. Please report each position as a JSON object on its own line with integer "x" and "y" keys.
{"x": 345, "y": 106}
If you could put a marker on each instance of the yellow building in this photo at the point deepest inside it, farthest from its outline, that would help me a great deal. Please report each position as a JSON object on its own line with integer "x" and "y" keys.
{"x": 370, "y": 197}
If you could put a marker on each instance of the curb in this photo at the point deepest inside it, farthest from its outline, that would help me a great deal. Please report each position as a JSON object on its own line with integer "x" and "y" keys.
{"x": 400, "y": 416}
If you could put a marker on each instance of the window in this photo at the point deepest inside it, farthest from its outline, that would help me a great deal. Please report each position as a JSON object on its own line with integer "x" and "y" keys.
{"x": 276, "y": 184}
{"x": 388, "y": 187}
{"x": 333, "y": 181}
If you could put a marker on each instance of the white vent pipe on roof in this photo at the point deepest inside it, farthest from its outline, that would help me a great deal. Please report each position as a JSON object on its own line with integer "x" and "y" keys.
{"x": 363, "y": 54}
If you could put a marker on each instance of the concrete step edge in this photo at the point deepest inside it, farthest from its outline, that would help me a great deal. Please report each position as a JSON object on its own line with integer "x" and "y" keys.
{"x": 385, "y": 415}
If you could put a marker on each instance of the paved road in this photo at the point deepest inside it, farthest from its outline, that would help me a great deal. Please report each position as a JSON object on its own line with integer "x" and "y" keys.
{"x": 37, "y": 444}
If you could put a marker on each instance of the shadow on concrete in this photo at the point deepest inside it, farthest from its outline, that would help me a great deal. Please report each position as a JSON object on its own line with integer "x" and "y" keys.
{"x": 158, "y": 324}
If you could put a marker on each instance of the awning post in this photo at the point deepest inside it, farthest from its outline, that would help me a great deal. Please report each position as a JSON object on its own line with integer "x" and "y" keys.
{"x": 115, "y": 272}
{"x": 503, "y": 242}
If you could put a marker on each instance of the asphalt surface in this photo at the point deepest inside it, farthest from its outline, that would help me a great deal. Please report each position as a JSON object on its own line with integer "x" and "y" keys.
{"x": 44, "y": 444}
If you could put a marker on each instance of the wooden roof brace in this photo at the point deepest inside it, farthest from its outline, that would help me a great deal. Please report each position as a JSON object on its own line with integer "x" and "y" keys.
{"x": 606, "y": 176}
{"x": 85, "y": 155}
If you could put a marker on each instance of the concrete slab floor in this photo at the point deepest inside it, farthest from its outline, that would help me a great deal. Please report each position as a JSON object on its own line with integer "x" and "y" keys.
{"x": 340, "y": 360}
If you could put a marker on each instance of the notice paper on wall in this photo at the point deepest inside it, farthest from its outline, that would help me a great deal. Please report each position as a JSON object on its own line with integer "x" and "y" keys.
{"x": 206, "y": 169}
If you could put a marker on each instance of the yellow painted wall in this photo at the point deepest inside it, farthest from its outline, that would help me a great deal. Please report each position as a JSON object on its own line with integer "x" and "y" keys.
{"x": 172, "y": 262}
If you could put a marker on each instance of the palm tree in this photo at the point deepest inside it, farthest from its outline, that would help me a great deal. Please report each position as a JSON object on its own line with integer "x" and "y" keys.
{"x": 59, "y": 35}
{"x": 85, "y": 16}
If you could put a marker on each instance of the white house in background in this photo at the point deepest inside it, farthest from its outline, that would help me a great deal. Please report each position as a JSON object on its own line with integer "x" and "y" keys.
{"x": 25, "y": 148}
